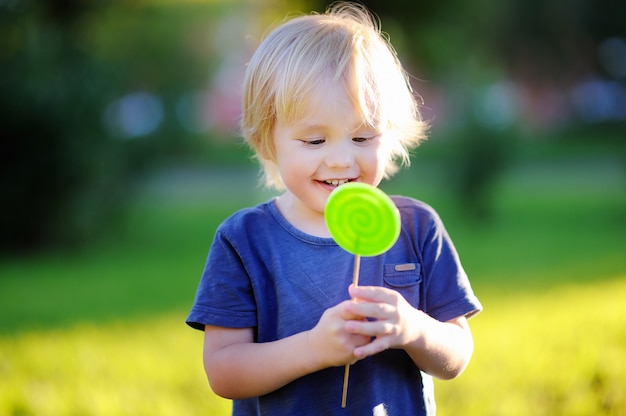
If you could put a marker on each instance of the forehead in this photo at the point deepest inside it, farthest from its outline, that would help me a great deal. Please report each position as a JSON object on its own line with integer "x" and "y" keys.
{"x": 330, "y": 98}
{"x": 327, "y": 111}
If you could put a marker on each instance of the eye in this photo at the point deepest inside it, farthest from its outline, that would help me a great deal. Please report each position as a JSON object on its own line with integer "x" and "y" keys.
{"x": 313, "y": 142}
{"x": 364, "y": 139}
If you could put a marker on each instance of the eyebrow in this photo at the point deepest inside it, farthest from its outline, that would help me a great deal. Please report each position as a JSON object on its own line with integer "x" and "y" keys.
{"x": 310, "y": 126}
{"x": 305, "y": 127}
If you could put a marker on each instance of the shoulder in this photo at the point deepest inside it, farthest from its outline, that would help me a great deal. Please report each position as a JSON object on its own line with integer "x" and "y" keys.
{"x": 406, "y": 202}
{"x": 257, "y": 219}
{"x": 413, "y": 209}
{"x": 251, "y": 214}
{"x": 420, "y": 220}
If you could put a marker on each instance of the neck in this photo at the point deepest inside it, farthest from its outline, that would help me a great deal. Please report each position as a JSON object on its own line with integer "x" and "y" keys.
{"x": 303, "y": 218}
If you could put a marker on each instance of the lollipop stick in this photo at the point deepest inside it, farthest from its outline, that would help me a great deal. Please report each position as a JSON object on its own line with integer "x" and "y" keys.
{"x": 344, "y": 395}
{"x": 357, "y": 267}
{"x": 346, "y": 373}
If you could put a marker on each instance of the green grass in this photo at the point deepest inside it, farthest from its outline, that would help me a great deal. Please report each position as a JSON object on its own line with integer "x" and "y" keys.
{"x": 101, "y": 331}
{"x": 557, "y": 352}
{"x": 149, "y": 367}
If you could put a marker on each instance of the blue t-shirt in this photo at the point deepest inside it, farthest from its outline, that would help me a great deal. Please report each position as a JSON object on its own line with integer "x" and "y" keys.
{"x": 265, "y": 274}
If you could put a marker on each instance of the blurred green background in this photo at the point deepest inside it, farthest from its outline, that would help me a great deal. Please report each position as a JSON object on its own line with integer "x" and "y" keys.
{"x": 120, "y": 155}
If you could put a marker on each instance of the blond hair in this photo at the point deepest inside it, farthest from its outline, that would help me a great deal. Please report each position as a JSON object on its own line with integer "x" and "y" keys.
{"x": 346, "y": 43}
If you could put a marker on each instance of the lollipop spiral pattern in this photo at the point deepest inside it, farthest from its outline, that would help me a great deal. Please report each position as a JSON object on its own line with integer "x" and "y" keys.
{"x": 362, "y": 219}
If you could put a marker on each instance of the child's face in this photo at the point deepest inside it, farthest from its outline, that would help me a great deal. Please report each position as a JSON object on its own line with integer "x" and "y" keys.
{"x": 329, "y": 145}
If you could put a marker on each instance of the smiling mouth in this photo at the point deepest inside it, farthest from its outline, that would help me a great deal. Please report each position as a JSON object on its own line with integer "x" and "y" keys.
{"x": 336, "y": 182}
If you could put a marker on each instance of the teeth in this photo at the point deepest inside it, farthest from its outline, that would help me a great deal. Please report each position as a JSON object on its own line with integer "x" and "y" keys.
{"x": 337, "y": 182}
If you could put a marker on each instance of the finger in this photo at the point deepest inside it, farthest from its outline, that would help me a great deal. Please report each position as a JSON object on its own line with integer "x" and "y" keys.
{"x": 347, "y": 310}
{"x": 378, "y": 345}
{"x": 370, "y": 328}
{"x": 372, "y": 293}
{"x": 372, "y": 310}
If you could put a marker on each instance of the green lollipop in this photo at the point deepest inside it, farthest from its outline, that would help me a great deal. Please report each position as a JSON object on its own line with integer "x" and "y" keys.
{"x": 364, "y": 221}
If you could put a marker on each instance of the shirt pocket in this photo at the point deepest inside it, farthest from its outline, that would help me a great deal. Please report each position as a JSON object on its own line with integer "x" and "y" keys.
{"x": 405, "y": 278}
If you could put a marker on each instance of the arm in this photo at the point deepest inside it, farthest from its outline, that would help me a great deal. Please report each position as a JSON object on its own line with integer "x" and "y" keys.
{"x": 238, "y": 368}
{"x": 446, "y": 348}
{"x": 441, "y": 349}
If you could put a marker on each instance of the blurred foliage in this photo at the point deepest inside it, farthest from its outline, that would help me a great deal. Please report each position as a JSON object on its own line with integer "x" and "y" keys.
{"x": 66, "y": 172}
{"x": 479, "y": 156}
{"x": 507, "y": 71}
{"x": 58, "y": 168}
{"x": 65, "y": 67}
{"x": 554, "y": 39}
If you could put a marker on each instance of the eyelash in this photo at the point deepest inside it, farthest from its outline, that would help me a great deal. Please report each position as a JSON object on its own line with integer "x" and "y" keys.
{"x": 357, "y": 140}
{"x": 314, "y": 142}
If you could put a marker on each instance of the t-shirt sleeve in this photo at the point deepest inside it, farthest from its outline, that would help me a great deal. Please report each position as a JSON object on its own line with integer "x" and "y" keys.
{"x": 447, "y": 291}
{"x": 224, "y": 295}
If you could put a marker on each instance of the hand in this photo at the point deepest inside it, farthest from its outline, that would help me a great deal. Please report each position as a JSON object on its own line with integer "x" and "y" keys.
{"x": 329, "y": 340}
{"x": 393, "y": 322}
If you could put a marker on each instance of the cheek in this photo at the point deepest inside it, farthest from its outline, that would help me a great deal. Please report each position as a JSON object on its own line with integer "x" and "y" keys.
{"x": 381, "y": 157}
{"x": 292, "y": 162}
{"x": 379, "y": 162}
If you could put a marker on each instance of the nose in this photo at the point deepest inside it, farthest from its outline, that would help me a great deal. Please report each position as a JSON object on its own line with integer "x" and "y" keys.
{"x": 340, "y": 156}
